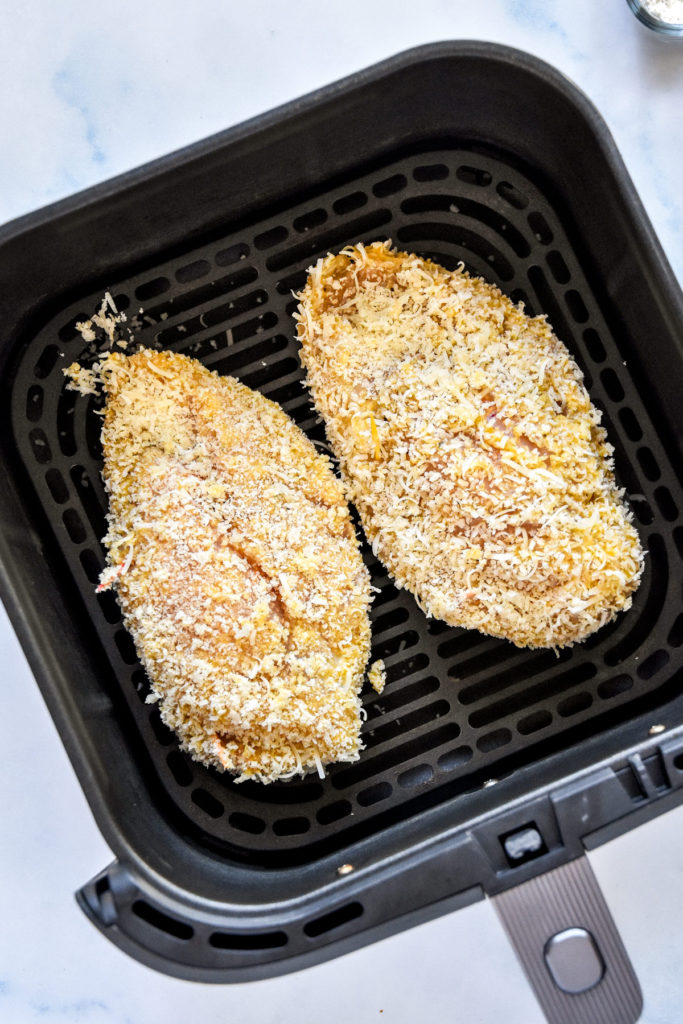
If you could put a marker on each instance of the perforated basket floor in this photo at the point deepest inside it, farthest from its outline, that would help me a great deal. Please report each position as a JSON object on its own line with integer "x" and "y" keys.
{"x": 458, "y": 707}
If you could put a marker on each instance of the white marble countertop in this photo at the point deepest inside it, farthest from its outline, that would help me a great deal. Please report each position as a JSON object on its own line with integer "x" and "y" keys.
{"x": 89, "y": 90}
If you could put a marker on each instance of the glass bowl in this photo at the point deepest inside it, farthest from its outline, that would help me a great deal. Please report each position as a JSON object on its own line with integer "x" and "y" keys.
{"x": 646, "y": 17}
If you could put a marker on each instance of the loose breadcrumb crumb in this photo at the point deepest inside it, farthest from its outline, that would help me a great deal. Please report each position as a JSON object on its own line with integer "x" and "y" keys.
{"x": 377, "y": 676}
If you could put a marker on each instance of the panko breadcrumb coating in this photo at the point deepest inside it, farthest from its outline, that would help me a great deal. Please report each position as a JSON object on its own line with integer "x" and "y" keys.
{"x": 470, "y": 447}
{"x": 237, "y": 568}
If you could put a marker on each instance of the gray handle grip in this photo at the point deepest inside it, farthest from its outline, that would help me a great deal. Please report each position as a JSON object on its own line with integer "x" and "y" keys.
{"x": 569, "y": 947}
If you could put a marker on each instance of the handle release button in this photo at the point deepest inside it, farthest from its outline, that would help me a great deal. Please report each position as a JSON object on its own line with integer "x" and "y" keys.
{"x": 574, "y": 960}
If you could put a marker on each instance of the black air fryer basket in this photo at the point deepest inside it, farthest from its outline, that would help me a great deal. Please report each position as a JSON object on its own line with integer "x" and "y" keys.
{"x": 487, "y": 769}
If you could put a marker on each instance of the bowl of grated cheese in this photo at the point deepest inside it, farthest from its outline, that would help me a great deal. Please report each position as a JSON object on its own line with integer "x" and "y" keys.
{"x": 662, "y": 16}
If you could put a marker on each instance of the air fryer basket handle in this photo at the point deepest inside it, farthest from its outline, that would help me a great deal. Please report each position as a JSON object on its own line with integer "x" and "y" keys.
{"x": 569, "y": 947}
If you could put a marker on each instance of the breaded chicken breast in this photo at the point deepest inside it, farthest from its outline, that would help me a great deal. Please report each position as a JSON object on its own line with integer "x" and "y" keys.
{"x": 470, "y": 447}
{"x": 237, "y": 568}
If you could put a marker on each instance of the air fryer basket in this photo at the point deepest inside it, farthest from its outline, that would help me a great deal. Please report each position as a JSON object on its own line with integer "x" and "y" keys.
{"x": 473, "y": 741}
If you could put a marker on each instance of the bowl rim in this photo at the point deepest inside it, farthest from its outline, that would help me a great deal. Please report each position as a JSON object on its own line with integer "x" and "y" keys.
{"x": 651, "y": 21}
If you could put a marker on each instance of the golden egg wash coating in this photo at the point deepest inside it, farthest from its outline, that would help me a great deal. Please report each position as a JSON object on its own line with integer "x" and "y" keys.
{"x": 237, "y": 568}
{"x": 470, "y": 447}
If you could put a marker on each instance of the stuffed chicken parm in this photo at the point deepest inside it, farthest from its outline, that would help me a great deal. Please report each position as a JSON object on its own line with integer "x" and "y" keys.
{"x": 469, "y": 445}
{"x": 236, "y": 566}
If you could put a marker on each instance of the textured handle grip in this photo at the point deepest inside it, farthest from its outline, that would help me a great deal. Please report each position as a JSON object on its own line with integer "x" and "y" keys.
{"x": 569, "y": 947}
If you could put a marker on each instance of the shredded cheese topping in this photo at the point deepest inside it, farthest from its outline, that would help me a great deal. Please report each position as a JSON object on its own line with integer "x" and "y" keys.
{"x": 236, "y": 566}
{"x": 469, "y": 445}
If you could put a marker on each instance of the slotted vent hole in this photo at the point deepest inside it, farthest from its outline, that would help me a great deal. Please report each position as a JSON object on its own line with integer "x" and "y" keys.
{"x": 630, "y": 423}
{"x": 232, "y": 254}
{"x": 558, "y": 267}
{"x": 292, "y": 283}
{"x": 46, "y": 362}
{"x": 93, "y": 432}
{"x": 420, "y": 775}
{"x": 615, "y": 686}
{"x": 540, "y": 228}
{"x": 251, "y": 941}
{"x": 163, "y": 734}
{"x": 34, "y": 403}
{"x": 162, "y": 922}
{"x": 56, "y": 485}
{"x": 267, "y": 239}
{"x": 650, "y": 605}
{"x": 334, "y": 812}
{"x": 374, "y": 794}
{"x": 576, "y": 306}
{"x": 192, "y": 271}
{"x": 431, "y": 172}
{"x": 335, "y": 919}
{"x": 91, "y": 565}
{"x": 390, "y": 186}
{"x": 474, "y": 175}
{"x": 396, "y": 617}
{"x": 74, "y": 526}
{"x": 648, "y": 464}
{"x": 594, "y": 345}
{"x": 109, "y": 607}
{"x": 653, "y": 664}
{"x": 675, "y": 638}
{"x": 66, "y": 410}
{"x": 518, "y": 295}
{"x": 494, "y": 740}
{"x": 347, "y": 204}
{"x": 512, "y": 195}
{"x": 89, "y": 500}
{"x": 126, "y": 647}
{"x": 534, "y": 722}
{"x": 295, "y": 826}
{"x": 549, "y": 304}
{"x": 678, "y": 540}
{"x": 69, "y": 331}
{"x": 641, "y": 507}
{"x": 666, "y": 504}
{"x": 207, "y": 803}
{"x": 40, "y": 445}
{"x": 180, "y": 769}
{"x": 456, "y": 758}
{"x": 308, "y": 221}
{"x": 612, "y": 385}
{"x": 248, "y": 823}
{"x": 152, "y": 289}
{"x": 574, "y": 705}
{"x": 141, "y": 685}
